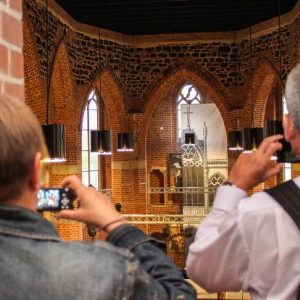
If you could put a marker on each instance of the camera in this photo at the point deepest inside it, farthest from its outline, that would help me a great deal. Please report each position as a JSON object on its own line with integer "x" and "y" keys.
{"x": 55, "y": 199}
{"x": 287, "y": 155}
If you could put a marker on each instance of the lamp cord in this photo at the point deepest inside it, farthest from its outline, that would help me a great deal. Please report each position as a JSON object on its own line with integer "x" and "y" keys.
{"x": 280, "y": 47}
{"x": 236, "y": 64}
{"x": 251, "y": 73}
{"x": 99, "y": 58}
{"x": 47, "y": 66}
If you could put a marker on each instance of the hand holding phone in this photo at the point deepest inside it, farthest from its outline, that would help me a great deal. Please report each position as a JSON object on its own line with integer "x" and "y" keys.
{"x": 55, "y": 199}
{"x": 94, "y": 207}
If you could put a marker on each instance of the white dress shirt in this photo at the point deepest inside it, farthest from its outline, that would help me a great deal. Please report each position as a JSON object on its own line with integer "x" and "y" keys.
{"x": 249, "y": 244}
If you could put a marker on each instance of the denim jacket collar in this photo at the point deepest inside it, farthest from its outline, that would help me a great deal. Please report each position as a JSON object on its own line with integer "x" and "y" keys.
{"x": 21, "y": 222}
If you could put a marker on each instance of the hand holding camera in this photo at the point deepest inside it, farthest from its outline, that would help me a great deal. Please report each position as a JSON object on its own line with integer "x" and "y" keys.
{"x": 95, "y": 208}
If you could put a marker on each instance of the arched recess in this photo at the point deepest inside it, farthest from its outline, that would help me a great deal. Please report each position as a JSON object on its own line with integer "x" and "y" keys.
{"x": 112, "y": 97}
{"x": 204, "y": 81}
{"x": 35, "y": 86}
{"x": 265, "y": 80}
{"x": 62, "y": 100}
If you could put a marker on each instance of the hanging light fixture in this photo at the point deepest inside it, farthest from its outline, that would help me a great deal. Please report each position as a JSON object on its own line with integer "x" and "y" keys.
{"x": 125, "y": 142}
{"x": 125, "y": 139}
{"x": 252, "y": 137}
{"x": 235, "y": 137}
{"x": 54, "y": 134}
{"x": 235, "y": 140}
{"x": 189, "y": 138}
{"x": 101, "y": 141}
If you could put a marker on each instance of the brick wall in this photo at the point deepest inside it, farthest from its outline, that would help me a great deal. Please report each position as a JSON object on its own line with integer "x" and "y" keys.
{"x": 11, "y": 53}
{"x": 138, "y": 81}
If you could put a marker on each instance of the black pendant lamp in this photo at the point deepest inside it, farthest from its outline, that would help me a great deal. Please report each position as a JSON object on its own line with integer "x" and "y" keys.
{"x": 235, "y": 140}
{"x": 273, "y": 127}
{"x": 125, "y": 142}
{"x": 253, "y": 136}
{"x": 189, "y": 138}
{"x": 125, "y": 139}
{"x": 54, "y": 134}
{"x": 101, "y": 142}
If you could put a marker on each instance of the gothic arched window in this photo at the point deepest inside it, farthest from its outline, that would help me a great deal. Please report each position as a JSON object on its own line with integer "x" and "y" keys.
{"x": 188, "y": 96}
{"x": 90, "y": 121}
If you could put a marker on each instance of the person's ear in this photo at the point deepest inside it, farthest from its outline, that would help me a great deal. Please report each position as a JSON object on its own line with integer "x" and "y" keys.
{"x": 289, "y": 129}
{"x": 34, "y": 179}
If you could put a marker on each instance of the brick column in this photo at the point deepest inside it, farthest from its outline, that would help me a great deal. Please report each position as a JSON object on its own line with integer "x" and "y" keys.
{"x": 11, "y": 49}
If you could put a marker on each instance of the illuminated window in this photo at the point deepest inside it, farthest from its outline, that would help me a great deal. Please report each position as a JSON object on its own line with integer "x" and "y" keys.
{"x": 90, "y": 161}
{"x": 188, "y": 94}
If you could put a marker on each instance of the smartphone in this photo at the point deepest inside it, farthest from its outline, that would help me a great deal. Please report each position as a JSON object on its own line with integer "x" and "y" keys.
{"x": 55, "y": 199}
{"x": 287, "y": 155}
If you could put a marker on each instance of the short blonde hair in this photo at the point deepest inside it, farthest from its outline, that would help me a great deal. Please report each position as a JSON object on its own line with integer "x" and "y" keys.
{"x": 21, "y": 138}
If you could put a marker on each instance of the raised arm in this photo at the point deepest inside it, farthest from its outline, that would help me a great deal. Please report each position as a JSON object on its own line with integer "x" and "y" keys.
{"x": 155, "y": 276}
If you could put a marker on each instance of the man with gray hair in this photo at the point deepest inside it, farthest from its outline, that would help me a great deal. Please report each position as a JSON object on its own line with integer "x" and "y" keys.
{"x": 253, "y": 243}
{"x": 36, "y": 264}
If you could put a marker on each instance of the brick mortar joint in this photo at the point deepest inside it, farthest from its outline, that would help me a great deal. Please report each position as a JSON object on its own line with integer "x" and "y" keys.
{"x": 11, "y": 12}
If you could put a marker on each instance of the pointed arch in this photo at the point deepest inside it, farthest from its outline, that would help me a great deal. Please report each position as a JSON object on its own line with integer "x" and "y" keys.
{"x": 265, "y": 79}
{"x": 112, "y": 97}
{"x": 35, "y": 86}
{"x": 62, "y": 99}
{"x": 175, "y": 79}
{"x": 204, "y": 81}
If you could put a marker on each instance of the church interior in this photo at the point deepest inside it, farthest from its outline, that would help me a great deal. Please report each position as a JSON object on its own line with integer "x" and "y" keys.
{"x": 152, "y": 100}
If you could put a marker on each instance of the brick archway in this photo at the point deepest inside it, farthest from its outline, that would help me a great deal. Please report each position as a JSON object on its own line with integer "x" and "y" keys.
{"x": 264, "y": 79}
{"x": 112, "y": 96}
{"x": 35, "y": 86}
{"x": 62, "y": 100}
{"x": 204, "y": 81}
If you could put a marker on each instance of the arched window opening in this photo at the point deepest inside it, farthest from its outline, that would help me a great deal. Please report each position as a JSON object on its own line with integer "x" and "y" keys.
{"x": 206, "y": 152}
{"x": 188, "y": 95}
{"x": 90, "y": 161}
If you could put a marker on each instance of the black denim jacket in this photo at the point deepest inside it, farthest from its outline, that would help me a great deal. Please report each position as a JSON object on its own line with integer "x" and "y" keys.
{"x": 37, "y": 264}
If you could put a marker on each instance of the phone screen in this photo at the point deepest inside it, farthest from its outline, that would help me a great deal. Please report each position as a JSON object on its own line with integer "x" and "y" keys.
{"x": 55, "y": 199}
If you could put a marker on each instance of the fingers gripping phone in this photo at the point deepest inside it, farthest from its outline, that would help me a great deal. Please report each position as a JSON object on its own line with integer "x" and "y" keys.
{"x": 55, "y": 199}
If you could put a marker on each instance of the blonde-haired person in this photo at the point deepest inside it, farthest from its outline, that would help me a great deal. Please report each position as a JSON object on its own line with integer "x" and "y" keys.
{"x": 37, "y": 264}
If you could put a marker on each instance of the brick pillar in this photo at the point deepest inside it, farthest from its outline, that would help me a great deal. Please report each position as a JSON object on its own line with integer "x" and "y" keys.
{"x": 11, "y": 49}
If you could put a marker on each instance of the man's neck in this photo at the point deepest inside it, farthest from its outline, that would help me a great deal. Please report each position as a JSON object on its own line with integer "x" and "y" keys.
{"x": 26, "y": 200}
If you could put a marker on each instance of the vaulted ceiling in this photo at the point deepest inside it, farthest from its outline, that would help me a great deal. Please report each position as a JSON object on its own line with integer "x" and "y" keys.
{"x": 174, "y": 16}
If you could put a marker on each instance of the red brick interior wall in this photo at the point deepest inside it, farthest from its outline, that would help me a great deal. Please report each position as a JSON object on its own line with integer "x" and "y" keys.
{"x": 11, "y": 49}
{"x": 139, "y": 85}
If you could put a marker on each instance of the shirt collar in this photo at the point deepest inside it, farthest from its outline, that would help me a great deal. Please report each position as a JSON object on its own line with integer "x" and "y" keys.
{"x": 21, "y": 222}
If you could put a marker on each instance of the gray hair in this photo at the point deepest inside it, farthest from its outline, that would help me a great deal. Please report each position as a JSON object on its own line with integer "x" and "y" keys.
{"x": 21, "y": 138}
{"x": 292, "y": 94}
